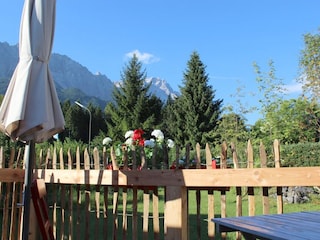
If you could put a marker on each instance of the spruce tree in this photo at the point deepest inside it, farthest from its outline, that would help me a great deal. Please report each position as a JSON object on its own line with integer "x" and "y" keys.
{"x": 132, "y": 104}
{"x": 169, "y": 123}
{"x": 197, "y": 112}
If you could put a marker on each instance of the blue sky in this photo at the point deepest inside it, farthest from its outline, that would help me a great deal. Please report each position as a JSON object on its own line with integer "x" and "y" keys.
{"x": 228, "y": 35}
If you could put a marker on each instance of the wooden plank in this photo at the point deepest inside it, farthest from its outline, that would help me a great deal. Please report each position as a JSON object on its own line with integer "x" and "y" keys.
{"x": 276, "y": 150}
{"x": 146, "y": 204}
{"x": 208, "y": 157}
{"x": 198, "y": 156}
{"x": 176, "y": 213}
{"x": 14, "y": 202}
{"x": 11, "y": 175}
{"x": 104, "y": 157}
{"x": 63, "y": 200}
{"x": 124, "y": 149}
{"x": 223, "y": 155}
{"x": 234, "y": 156}
{"x": 238, "y": 208}
{"x": 113, "y": 159}
{"x": 96, "y": 160}
{"x": 134, "y": 213}
{"x": 54, "y": 191}
{"x": 143, "y": 158}
{"x": 7, "y": 199}
{"x": 115, "y": 213}
{"x": 105, "y": 210}
{"x": 79, "y": 218}
{"x": 155, "y": 214}
{"x": 257, "y": 177}
{"x": 87, "y": 192}
{"x": 20, "y": 211}
{"x": 198, "y": 203}
{"x": 265, "y": 190}
{"x": 70, "y": 199}
{"x": 223, "y": 165}
{"x": 124, "y": 213}
{"x": 198, "y": 194}
{"x": 238, "y": 189}
{"x": 251, "y": 197}
{"x": 105, "y": 197}
{"x": 20, "y": 199}
{"x": 15, "y": 210}
{"x": 211, "y": 229}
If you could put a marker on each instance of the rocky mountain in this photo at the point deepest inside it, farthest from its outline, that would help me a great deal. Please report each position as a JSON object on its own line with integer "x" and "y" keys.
{"x": 74, "y": 81}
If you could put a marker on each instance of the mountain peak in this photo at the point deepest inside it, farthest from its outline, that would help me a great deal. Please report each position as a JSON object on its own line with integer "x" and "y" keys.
{"x": 72, "y": 77}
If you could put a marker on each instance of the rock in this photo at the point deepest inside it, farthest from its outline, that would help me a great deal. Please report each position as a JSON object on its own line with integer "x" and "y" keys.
{"x": 296, "y": 194}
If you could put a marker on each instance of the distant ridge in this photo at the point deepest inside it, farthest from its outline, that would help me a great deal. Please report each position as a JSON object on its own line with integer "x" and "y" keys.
{"x": 73, "y": 80}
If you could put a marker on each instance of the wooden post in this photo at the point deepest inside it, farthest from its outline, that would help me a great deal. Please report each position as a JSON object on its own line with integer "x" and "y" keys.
{"x": 276, "y": 149}
{"x": 211, "y": 229}
{"x": 223, "y": 197}
{"x": 238, "y": 189}
{"x": 265, "y": 191}
{"x": 251, "y": 199}
{"x": 176, "y": 213}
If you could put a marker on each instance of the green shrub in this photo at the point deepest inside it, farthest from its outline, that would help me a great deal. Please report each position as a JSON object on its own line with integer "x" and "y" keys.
{"x": 300, "y": 155}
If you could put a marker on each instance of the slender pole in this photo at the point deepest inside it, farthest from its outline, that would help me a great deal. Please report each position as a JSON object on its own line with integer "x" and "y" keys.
{"x": 90, "y": 119}
{"x": 29, "y": 163}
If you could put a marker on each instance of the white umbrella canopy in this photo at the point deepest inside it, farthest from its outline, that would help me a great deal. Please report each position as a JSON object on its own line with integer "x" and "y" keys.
{"x": 30, "y": 109}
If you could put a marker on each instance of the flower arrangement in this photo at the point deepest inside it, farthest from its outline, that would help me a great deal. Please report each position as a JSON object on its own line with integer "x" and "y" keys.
{"x": 150, "y": 152}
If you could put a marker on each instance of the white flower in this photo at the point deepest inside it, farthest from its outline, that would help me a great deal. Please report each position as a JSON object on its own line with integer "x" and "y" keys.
{"x": 149, "y": 143}
{"x": 129, "y": 141}
{"x": 158, "y": 134}
{"x": 128, "y": 134}
{"x": 106, "y": 141}
{"x": 170, "y": 143}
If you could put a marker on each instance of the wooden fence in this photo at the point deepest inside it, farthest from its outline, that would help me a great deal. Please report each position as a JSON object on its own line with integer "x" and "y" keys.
{"x": 97, "y": 203}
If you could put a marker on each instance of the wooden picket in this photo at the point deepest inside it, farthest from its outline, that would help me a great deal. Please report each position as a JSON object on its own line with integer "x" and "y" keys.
{"x": 81, "y": 207}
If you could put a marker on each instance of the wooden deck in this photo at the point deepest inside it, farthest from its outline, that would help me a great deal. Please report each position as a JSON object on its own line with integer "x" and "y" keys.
{"x": 300, "y": 225}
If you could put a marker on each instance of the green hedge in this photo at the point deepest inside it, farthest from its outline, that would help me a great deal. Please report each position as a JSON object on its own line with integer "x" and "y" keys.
{"x": 300, "y": 155}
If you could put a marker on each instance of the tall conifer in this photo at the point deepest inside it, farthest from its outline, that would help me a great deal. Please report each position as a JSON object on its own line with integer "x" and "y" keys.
{"x": 131, "y": 107}
{"x": 197, "y": 111}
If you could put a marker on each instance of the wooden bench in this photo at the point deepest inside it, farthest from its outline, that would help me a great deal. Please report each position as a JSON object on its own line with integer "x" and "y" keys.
{"x": 299, "y": 225}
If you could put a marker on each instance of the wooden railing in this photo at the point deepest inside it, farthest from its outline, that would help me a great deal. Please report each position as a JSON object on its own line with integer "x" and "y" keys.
{"x": 148, "y": 204}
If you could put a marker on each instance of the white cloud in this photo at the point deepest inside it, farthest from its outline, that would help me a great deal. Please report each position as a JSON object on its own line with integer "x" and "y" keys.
{"x": 145, "y": 58}
{"x": 293, "y": 88}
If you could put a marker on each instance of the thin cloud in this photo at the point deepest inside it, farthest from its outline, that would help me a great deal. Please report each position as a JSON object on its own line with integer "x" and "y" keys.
{"x": 146, "y": 58}
{"x": 293, "y": 88}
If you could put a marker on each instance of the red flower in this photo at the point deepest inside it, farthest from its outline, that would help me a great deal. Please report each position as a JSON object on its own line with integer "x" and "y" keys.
{"x": 137, "y": 137}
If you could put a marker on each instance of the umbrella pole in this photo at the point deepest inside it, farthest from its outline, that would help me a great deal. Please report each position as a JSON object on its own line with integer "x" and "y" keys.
{"x": 29, "y": 163}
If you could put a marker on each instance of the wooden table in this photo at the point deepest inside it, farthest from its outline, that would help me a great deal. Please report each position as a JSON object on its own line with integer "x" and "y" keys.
{"x": 300, "y": 225}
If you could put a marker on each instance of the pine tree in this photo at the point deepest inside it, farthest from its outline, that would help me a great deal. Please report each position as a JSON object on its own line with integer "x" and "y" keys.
{"x": 133, "y": 107}
{"x": 169, "y": 123}
{"x": 197, "y": 112}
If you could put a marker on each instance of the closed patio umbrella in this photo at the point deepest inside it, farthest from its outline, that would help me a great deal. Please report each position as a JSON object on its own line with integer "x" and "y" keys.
{"x": 30, "y": 111}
